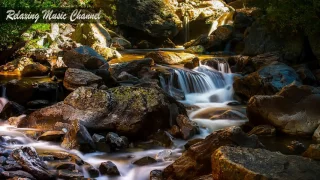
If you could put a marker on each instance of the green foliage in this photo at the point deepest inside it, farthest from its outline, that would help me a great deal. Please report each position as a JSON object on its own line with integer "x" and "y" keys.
{"x": 290, "y": 16}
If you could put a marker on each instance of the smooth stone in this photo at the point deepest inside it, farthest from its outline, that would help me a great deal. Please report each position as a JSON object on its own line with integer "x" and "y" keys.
{"x": 109, "y": 168}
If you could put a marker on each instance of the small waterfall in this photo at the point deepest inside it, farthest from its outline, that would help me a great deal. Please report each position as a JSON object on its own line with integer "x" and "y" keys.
{"x": 225, "y": 18}
{"x": 186, "y": 28}
{"x": 203, "y": 83}
{"x": 220, "y": 64}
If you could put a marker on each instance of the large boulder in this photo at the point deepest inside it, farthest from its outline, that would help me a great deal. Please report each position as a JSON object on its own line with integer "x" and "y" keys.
{"x": 171, "y": 58}
{"x": 24, "y": 90}
{"x": 90, "y": 34}
{"x": 133, "y": 111}
{"x": 197, "y": 159}
{"x": 154, "y": 17}
{"x": 294, "y": 110}
{"x": 133, "y": 67}
{"x": 268, "y": 80}
{"x": 260, "y": 39}
{"x": 216, "y": 41}
{"x": 83, "y": 57}
{"x": 235, "y": 163}
{"x": 75, "y": 78}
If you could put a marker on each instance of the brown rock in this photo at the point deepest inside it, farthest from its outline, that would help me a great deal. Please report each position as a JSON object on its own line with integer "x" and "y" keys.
{"x": 197, "y": 158}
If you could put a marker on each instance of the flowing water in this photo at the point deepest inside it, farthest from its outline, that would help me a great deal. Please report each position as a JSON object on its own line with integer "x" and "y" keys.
{"x": 205, "y": 89}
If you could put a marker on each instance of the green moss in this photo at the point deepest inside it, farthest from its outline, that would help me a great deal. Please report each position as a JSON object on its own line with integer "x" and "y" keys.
{"x": 40, "y": 27}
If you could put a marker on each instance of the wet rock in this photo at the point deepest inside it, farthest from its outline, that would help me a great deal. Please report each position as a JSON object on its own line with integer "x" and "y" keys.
{"x": 59, "y": 126}
{"x": 192, "y": 142}
{"x": 121, "y": 42}
{"x": 187, "y": 128}
{"x": 92, "y": 171}
{"x": 198, "y": 157}
{"x": 124, "y": 76}
{"x": 83, "y": 57}
{"x": 192, "y": 64}
{"x": 134, "y": 111}
{"x": 58, "y": 155}
{"x": 19, "y": 173}
{"x": 144, "y": 161}
{"x": 133, "y": 67}
{"x": 156, "y": 175}
{"x": 229, "y": 114}
{"x": 266, "y": 81}
{"x": 36, "y": 104}
{"x": 28, "y": 158}
{"x": 35, "y": 69}
{"x": 11, "y": 109}
{"x": 101, "y": 143}
{"x": 109, "y": 168}
{"x": 260, "y": 163}
{"x": 313, "y": 152}
{"x": 116, "y": 142}
{"x": 24, "y": 90}
{"x": 162, "y": 138}
{"x": 56, "y": 136}
{"x": 79, "y": 138}
{"x": 66, "y": 174}
{"x": 221, "y": 113}
{"x": 12, "y": 166}
{"x": 46, "y": 157}
{"x": 170, "y": 58}
{"x": 288, "y": 110}
{"x": 155, "y": 18}
{"x": 75, "y": 78}
{"x": 65, "y": 165}
{"x": 296, "y": 147}
{"x": 263, "y": 130}
{"x": 246, "y": 65}
{"x": 14, "y": 121}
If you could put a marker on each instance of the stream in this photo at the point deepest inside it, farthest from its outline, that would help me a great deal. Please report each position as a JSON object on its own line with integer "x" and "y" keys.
{"x": 205, "y": 89}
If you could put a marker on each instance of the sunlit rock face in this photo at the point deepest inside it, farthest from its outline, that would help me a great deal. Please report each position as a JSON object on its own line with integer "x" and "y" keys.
{"x": 154, "y": 17}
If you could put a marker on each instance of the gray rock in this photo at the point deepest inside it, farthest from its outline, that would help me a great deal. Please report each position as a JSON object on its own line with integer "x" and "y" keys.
{"x": 109, "y": 168}
{"x": 28, "y": 158}
{"x": 266, "y": 81}
{"x": 231, "y": 163}
{"x": 144, "y": 161}
{"x": 155, "y": 17}
{"x": 79, "y": 138}
{"x": 75, "y": 78}
{"x": 292, "y": 111}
